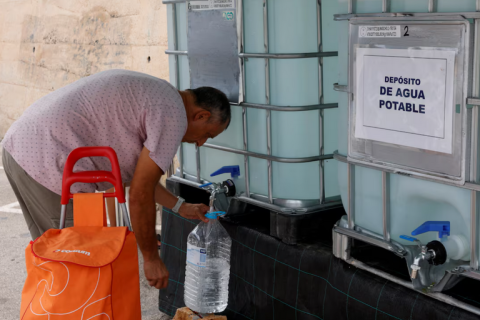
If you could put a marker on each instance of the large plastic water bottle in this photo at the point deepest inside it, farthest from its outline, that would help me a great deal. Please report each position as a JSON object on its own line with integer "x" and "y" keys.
{"x": 208, "y": 266}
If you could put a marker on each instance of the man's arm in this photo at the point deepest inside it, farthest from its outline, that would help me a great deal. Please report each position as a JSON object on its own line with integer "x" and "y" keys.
{"x": 143, "y": 194}
{"x": 142, "y": 212}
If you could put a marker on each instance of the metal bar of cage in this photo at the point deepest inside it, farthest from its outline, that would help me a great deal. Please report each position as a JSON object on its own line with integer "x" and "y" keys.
{"x": 378, "y": 241}
{"x": 175, "y": 44}
{"x": 243, "y": 55}
{"x": 351, "y": 195}
{"x": 321, "y": 102}
{"x": 474, "y": 143}
{"x": 348, "y": 16}
{"x": 177, "y": 52}
{"x": 473, "y": 231}
{"x": 176, "y": 1}
{"x": 307, "y": 55}
{"x": 431, "y": 5}
{"x": 384, "y": 6}
{"x": 176, "y": 72}
{"x": 407, "y": 284}
{"x": 269, "y": 151}
{"x": 468, "y": 185}
{"x": 288, "y": 108}
{"x": 267, "y": 98}
{"x": 386, "y": 205}
{"x": 340, "y": 87}
{"x": 245, "y": 147}
{"x": 180, "y": 159}
{"x": 350, "y": 172}
{"x": 241, "y": 49}
{"x": 197, "y": 157}
{"x": 270, "y": 157}
{"x": 385, "y": 179}
{"x": 298, "y": 210}
{"x": 197, "y": 148}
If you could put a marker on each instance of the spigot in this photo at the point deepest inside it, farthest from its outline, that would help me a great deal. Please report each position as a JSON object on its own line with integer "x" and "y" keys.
{"x": 227, "y": 187}
{"x": 434, "y": 252}
{"x": 425, "y": 254}
{"x": 215, "y": 189}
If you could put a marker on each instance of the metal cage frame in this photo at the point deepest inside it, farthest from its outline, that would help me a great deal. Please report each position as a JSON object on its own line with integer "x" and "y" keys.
{"x": 280, "y": 205}
{"x": 344, "y": 234}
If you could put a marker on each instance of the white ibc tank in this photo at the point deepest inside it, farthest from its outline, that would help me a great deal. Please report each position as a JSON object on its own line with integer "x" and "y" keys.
{"x": 292, "y": 28}
{"x": 412, "y": 201}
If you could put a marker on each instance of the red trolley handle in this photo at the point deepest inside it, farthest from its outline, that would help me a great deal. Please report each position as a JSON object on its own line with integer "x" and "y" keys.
{"x": 114, "y": 177}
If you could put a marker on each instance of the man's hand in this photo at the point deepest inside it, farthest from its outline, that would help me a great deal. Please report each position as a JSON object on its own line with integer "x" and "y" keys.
{"x": 194, "y": 211}
{"x": 187, "y": 210}
{"x": 156, "y": 273}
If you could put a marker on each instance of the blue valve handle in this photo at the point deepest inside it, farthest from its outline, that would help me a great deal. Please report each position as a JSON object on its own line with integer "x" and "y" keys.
{"x": 215, "y": 214}
{"x": 205, "y": 185}
{"x": 442, "y": 227}
{"x": 411, "y": 239}
{"x": 233, "y": 170}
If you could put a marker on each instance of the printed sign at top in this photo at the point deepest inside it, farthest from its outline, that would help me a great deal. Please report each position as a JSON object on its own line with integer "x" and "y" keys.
{"x": 211, "y": 5}
{"x": 379, "y": 32}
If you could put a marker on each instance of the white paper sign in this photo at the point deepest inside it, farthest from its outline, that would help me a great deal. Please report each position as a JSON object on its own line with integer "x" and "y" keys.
{"x": 405, "y": 97}
{"x": 379, "y": 32}
{"x": 211, "y": 4}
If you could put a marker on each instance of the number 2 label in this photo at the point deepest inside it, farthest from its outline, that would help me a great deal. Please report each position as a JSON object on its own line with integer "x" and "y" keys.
{"x": 406, "y": 31}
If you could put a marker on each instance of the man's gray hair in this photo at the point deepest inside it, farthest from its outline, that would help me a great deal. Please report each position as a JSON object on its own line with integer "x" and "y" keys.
{"x": 214, "y": 101}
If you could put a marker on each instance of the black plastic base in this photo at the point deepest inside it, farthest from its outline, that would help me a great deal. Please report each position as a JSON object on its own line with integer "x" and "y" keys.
{"x": 270, "y": 280}
{"x": 294, "y": 228}
{"x": 289, "y": 228}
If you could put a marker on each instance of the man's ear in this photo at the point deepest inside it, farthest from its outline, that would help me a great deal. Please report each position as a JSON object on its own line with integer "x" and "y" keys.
{"x": 202, "y": 115}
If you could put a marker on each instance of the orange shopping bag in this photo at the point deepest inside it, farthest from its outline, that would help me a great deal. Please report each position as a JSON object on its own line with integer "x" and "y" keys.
{"x": 88, "y": 271}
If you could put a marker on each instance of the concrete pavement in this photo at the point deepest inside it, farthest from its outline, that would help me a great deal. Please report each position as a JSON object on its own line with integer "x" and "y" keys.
{"x": 14, "y": 237}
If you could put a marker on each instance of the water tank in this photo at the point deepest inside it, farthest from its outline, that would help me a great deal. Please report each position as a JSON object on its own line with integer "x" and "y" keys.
{"x": 284, "y": 116}
{"x": 404, "y": 190}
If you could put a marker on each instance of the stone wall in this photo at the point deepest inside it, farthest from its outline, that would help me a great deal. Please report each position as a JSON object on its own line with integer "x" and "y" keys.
{"x": 47, "y": 44}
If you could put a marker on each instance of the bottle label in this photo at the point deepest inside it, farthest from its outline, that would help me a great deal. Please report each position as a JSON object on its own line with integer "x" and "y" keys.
{"x": 196, "y": 256}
